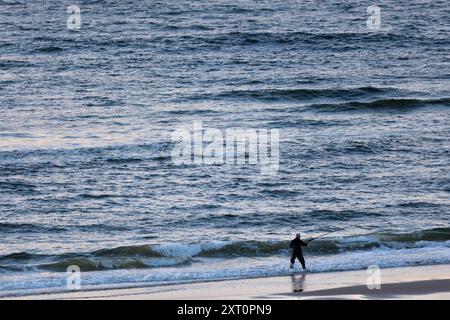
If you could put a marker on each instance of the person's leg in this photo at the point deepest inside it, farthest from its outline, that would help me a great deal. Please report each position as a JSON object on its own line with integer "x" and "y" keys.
{"x": 302, "y": 261}
{"x": 292, "y": 261}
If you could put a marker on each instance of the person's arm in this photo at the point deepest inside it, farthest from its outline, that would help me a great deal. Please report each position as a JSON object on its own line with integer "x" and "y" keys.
{"x": 303, "y": 243}
{"x": 290, "y": 246}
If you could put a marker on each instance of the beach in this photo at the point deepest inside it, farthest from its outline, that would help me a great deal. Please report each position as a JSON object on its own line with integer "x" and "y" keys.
{"x": 421, "y": 282}
{"x": 173, "y": 149}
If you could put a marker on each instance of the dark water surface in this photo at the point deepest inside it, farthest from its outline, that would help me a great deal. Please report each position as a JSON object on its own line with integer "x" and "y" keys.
{"x": 86, "y": 175}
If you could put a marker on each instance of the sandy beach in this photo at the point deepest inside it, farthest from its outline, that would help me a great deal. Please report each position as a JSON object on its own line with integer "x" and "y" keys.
{"x": 421, "y": 282}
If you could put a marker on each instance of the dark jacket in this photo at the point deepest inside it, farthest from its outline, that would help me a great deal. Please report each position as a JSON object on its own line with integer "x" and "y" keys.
{"x": 297, "y": 245}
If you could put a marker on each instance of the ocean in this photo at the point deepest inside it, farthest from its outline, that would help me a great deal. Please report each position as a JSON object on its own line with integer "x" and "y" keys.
{"x": 87, "y": 175}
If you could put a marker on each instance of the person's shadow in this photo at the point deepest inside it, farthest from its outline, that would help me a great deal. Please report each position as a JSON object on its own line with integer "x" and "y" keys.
{"x": 298, "y": 283}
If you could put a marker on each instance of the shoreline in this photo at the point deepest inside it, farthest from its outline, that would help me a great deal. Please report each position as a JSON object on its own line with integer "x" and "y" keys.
{"x": 417, "y": 282}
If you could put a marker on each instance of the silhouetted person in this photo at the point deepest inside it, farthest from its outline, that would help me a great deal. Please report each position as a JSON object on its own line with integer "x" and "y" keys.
{"x": 296, "y": 246}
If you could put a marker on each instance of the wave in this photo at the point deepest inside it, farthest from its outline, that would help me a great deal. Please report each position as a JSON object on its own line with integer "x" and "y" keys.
{"x": 17, "y": 186}
{"x": 49, "y": 49}
{"x": 309, "y": 93}
{"x": 142, "y": 250}
{"x": 381, "y": 104}
{"x": 123, "y": 160}
{"x": 219, "y": 269}
{"x": 99, "y": 264}
{"x": 6, "y": 227}
{"x": 290, "y": 38}
{"x": 333, "y": 245}
{"x": 337, "y": 100}
{"x": 436, "y": 234}
{"x": 177, "y": 254}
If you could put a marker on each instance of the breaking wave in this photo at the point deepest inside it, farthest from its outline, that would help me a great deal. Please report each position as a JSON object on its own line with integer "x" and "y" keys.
{"x": 176, "y": 254}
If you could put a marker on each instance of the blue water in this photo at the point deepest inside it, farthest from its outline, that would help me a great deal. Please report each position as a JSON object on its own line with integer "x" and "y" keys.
{"x": 86, "y": 174}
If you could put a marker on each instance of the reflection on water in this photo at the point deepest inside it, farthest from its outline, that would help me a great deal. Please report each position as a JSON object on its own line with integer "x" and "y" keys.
{"x": 298, "y": 283}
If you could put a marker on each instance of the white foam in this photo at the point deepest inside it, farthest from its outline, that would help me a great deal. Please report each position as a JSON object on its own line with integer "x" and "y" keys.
{"x": 213, "y": 269}
{"x": 188, "y": 249}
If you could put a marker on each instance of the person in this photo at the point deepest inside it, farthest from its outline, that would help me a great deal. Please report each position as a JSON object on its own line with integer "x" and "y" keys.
{"x": 296, "y": 246}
